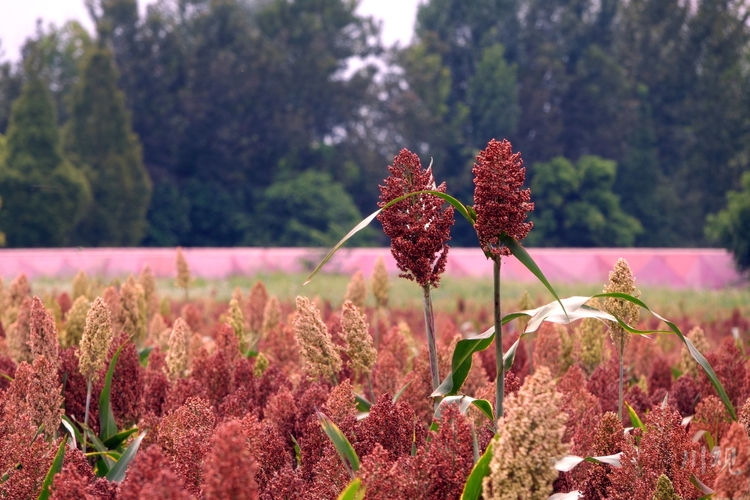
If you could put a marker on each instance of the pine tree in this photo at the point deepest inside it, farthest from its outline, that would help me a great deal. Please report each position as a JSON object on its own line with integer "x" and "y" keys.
{"x": 43, "y": 195}
{"x": 99, "y": 137}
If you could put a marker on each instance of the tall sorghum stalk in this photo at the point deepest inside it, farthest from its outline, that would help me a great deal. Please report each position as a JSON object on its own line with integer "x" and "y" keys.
{"x": 97, "y": 335}
{"x": 501, "y": 206}
{"x": 621, "y": 280}
{"x": 429, "y": 324}
{"x": 419, "y": 228}
{"x": 499, "y": 364}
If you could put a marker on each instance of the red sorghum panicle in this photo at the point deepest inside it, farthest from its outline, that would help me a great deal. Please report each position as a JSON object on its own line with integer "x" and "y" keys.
{"x": 499, "y": 200}
{"x": 151, "y": 477}
{"x": 43, "y": 333}
{"x": 256, "y": 305}
{"x": 390, "y": 425}
{"x": 18, "y": 333}
{"x": 733, "y": 479}
{"x": 711, "y": 416}
{"x": 229, "y": 468}
{"x": 127, "y": 382}
{"x": 449, "y": 458}
{"x": 419, "y": 226}
{"x": 665, "y": 448}
{"x": 36, "y": 392}
{"x": 184, "y": 436}
{"x": 20, "y": 444}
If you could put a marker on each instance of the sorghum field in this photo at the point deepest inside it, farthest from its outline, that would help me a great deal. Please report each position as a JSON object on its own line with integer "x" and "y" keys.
{"x": 229, "y": 393}
{"x": 428, "y": 388}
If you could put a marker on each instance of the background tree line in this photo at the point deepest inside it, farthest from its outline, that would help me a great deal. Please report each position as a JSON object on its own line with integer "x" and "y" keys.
{"x": 271, "y": 122}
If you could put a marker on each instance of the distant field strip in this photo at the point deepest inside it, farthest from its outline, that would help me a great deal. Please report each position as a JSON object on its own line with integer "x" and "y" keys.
{"x": 675, "y": 268}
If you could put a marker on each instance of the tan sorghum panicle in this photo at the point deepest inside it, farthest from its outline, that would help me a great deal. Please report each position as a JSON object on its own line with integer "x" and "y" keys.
{"x": 132, "y": 319}
{"x": 36, "y": 392}
{"x": 359, "y": 348}
{"x": 260, "y": 366}
{"x": 665, "y": 489}
{"x": 81, "y": 286}
{"x": 237, "y": 295}
{"x": 19, "y": 289}
{"x": 148, "y": 283}
{"x": 194, "y": 347}
{"x": 256, "y": 305}
{"x": 111, "y": 298}
{"x": 528, "y": 442}
{"x": 591, "y": 332}
{"x": 178, "y": 346}
{"x": 184, "y": 279}
{"x": 75, "y": 322}
{"x": 621, "y": 280}
{"x": 687, "y": 363}
{"x": 356, "y": 290}
{"x": 271, "y": 315}
{"x": 155, "y": 327}
{"x": 235, "y": 319}
{"x": 18, "y": 333}
{"x": 524, "y": 304}
{"x": 379, "y": 283}
{"x": 97, "y": 335}
{"x": 43, "y": 333}
{"x": 320, "y": 354}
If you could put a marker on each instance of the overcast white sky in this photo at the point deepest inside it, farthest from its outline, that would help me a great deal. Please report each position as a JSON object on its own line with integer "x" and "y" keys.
{"x": 18, "y": 19}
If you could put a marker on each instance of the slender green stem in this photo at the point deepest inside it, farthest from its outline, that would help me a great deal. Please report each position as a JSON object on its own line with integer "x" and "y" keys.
{"x": 500, "y": 378}
{"x": 622, "y": 372}
{"x": 369, "y": 385}
{"x": 86, "y": 415}
{"x": 429, "y": 322}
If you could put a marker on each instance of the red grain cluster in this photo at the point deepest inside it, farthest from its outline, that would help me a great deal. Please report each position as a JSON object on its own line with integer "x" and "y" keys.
{"x": 419, "y": 226}
{"x": 499, "y": 200}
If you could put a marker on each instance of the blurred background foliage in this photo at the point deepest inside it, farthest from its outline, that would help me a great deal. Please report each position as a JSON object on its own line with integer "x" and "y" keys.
{"x": 271, "y": 122}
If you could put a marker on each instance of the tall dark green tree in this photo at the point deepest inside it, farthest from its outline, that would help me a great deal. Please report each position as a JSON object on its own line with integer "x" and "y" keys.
{"x": 576, "y": 207}
{"x": 43, "y": 195}
{"x": 98, "y": 137}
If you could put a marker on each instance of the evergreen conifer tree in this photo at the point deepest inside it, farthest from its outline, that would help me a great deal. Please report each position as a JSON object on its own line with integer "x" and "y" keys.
{"x": 99, "y": 137}
{"x": 43, "y": 195}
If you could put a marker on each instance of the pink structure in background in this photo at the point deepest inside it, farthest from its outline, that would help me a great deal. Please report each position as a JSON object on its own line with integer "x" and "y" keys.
{"x": 677, "y": 268}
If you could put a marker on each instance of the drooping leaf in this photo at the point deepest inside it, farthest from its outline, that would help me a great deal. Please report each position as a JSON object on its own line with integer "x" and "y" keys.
{"x": 463, "y": 403}
{"x": 634, "y": 419}
{"x": 569, "y": 462}
{"x": 341, "y": 444}
{"x": 701, "y": 486}
{"x": 354, "y": 491}
{"x": 115, "y": 441}
{"x": 56, "y": 467}
{"x": 117, "y": 473}
{"x": 363, "y": 405}
{"x": 72, "y": 431}
{"x": 367, "y": 220}
{"x": 297, "y": 452}
{"x": 571, "y": 495}
{"x": 695, "y": 353}
{"x": 143, "y": 355}
{"x": 401, "y": 391}
{"x": 107, "y": 423}
{"x": 520, "y": 253}
{"x": 473, "y": 486}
